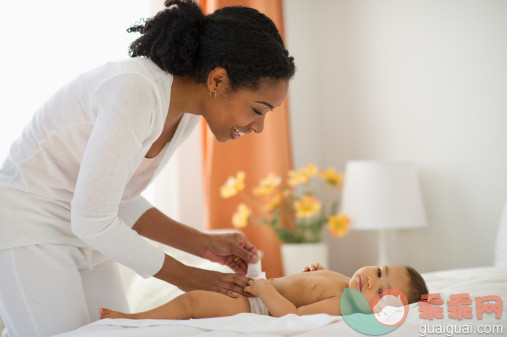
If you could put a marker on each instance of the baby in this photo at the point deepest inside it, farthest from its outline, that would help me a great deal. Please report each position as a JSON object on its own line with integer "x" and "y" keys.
{"x": 313, "y": 291}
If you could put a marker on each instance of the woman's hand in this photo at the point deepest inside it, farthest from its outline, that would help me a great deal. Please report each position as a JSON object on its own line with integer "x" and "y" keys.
{"x": 231, "y": 249}
{"x": 314, "y": 268}
{"x": 228, "y": 284}
{"x": 189, "y": 278}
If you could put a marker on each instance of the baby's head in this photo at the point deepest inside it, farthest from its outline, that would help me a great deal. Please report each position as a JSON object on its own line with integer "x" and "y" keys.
{"x": 372, "y": 280}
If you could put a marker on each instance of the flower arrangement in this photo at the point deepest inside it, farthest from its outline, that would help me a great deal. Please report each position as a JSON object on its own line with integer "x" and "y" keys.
{"x": 291, "y": 209}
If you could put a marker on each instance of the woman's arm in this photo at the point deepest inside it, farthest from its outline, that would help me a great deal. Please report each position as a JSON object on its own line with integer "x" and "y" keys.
{"x": 221, "y": 248}
{"x": 155, "y": 225}
{"x": 189, "y": 278}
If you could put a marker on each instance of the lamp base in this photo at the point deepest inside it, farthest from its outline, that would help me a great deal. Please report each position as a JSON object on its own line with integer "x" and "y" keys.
{"x": 382, "y": 247}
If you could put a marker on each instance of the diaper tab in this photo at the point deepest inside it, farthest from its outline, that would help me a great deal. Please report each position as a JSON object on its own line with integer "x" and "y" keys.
{"x": 254, "y": 271}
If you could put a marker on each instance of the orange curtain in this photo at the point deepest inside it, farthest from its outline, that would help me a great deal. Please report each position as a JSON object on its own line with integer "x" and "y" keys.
{"x": 255, "y": 154}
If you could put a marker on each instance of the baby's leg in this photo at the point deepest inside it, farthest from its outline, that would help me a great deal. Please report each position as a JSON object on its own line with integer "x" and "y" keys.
{"x": 194, "y": 304}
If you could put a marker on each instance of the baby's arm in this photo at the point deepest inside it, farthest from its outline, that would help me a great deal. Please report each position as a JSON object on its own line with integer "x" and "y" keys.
{"x": 280, "y": 306}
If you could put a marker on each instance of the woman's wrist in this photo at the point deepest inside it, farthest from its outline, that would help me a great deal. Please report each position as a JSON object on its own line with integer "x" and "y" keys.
{"x": 202, "y": 243}
{"x": 173, "y": 271}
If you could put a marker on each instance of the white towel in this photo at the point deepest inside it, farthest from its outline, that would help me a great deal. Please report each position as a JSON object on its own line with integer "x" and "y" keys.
{"x": 244, "y": 323}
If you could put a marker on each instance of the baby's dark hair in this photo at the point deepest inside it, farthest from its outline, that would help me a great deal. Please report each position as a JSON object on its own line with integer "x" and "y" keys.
{"x": 417, "y": 285}
{"x": 183, "y": 41}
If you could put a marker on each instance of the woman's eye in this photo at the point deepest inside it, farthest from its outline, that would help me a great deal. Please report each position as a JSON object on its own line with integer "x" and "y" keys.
{"x": 379, "y": 272}
{"x": 257, "y": 112}
{"x": 380, "y": 291}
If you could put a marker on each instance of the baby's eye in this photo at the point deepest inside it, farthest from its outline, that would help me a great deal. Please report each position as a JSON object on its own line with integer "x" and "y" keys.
{"x": 379, "y": 272}
{"x": 380, "y": 291}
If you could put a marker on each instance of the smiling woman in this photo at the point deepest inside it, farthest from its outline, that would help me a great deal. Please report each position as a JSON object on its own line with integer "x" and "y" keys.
{"x": 245, "y": 70}
{"x": 70, "y": 203}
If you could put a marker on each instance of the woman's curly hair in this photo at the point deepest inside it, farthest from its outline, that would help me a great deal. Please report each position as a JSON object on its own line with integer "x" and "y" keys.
{"x": 183, "y": 41}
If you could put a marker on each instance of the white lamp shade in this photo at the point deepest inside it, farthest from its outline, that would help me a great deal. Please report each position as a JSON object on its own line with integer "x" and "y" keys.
{"x": 382, "y": 195}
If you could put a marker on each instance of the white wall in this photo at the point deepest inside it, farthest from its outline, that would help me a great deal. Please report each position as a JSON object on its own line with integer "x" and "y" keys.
{"x": 48, "y": 43}
{"x": 422, "y": 81}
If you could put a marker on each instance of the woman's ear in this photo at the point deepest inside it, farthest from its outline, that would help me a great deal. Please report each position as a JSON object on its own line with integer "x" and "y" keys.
{"x": 217, "y": 78}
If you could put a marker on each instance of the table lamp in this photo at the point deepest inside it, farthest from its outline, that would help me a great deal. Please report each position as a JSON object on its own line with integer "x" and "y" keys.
{"x": 382, "y": 195}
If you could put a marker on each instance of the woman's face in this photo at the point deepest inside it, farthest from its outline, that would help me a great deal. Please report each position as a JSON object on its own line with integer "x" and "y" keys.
{"x": 372, "y": 280}
{"x": 242, "y": 111}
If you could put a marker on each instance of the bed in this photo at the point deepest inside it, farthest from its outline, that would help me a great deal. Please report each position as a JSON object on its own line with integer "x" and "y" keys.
{"x": 477, "y": 282}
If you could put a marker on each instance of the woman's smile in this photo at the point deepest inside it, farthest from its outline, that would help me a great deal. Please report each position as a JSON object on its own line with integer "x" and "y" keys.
{"x": 235, "y": 133}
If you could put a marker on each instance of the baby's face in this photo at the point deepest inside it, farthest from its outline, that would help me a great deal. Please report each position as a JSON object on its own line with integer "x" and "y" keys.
{"x": 372, "y": 280}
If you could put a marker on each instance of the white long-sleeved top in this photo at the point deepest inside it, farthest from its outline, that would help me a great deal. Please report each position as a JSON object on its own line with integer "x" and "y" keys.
{"x": 76, "y": 172}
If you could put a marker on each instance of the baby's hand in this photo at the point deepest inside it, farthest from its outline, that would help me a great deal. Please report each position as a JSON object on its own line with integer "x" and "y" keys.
{"x": 314, "y": 267}
{"x": 255, "y": 287}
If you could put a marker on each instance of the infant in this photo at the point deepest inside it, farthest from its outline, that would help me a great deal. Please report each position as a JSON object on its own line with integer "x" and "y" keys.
{"x": 315, "y": 290}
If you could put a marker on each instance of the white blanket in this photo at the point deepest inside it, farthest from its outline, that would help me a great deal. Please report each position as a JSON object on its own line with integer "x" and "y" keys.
{"x": 232, "y": 325}
{"x": 482, "y": 281}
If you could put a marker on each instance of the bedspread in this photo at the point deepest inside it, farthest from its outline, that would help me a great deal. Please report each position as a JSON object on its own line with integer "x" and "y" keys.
{"x": 483, "y": 281}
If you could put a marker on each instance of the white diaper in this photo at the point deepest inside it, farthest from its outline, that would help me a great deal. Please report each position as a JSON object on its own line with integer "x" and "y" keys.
{"x": 257, "y": 306}
{"x": 255, "y": 272}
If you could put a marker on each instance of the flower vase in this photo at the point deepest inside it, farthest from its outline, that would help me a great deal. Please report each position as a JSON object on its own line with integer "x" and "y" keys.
{"x": 296, "y": 256}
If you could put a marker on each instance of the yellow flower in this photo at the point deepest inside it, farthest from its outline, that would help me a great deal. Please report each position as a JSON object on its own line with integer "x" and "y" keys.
{"x": 296, "y": 178}
{"x": 233, "y": 185}
{"x": 240, "y": 218}
{"x": 310, "y": 170}
{"x": 302, "y": 176}
{"x": 275, "y": 201}
{"x": 307, "y": 206}
{"x": 332, "y": 178}
{"x": 339, "y": 225}
{"x": 267, "y": 185}
{"x": 286, "y": 193}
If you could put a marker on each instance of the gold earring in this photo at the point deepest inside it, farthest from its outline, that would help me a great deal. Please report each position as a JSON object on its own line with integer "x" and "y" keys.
{"x": 212, "y": 94}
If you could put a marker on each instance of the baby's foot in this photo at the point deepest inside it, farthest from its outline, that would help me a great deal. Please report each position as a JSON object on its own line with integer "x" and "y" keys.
{"x": 107, "y": 313}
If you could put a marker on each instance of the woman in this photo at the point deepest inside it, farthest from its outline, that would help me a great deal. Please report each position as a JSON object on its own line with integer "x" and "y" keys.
{"x": 70, "y": 204}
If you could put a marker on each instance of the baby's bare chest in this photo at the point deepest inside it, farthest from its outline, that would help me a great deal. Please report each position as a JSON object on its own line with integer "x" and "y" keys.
{"x": 308, "y": 288}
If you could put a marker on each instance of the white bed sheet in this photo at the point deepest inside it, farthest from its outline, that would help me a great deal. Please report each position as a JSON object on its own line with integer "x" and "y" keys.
{"x": 483, "y": 281}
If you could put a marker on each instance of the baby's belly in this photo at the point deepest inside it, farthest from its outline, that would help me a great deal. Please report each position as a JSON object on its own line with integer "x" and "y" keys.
{"x": 298, "y": 292}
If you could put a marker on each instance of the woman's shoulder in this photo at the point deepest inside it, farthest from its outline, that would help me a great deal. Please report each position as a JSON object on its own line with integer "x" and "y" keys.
{"x": 124, "y": 76}
{"x": 144, "y": 67}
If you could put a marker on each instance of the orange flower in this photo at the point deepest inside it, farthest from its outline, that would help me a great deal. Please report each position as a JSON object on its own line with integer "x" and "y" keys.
{"x": 339, "y": 225}
{"x": 310, "y": 170}
{"x": 331, "y": 177}
{"x": 275, "y": 201}
{"x": 307, "y": 206}
{"x": 267, "y": 185}
{"x": 240, "y": 218}
{"x": 233, "y": 185}
{"x": 296, "y": 178}
{"x": 302, "y": 176}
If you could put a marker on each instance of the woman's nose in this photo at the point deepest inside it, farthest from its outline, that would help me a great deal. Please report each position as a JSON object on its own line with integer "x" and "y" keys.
{"x": 258, "y": 125}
